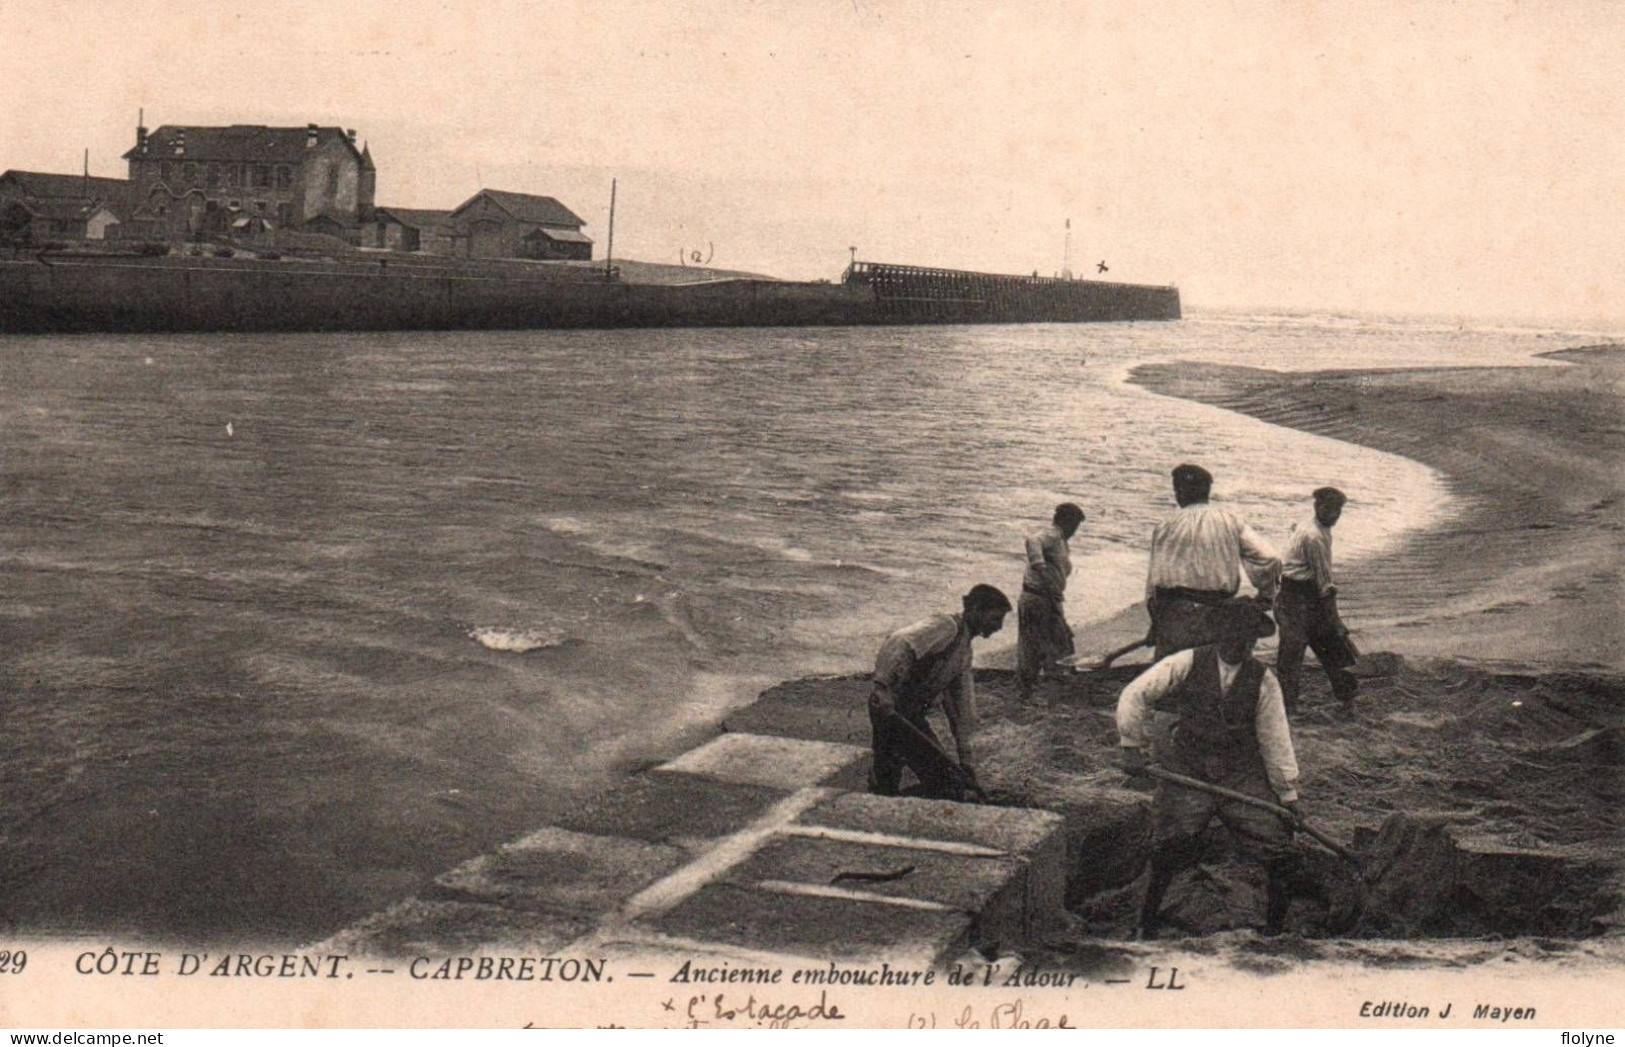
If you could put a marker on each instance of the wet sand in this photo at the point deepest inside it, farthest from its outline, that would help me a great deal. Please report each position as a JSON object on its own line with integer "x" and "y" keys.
{"x": 1527, "y": 569}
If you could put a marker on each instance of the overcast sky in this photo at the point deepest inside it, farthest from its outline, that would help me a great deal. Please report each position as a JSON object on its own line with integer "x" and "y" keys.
{"x": 1438, "y": 158}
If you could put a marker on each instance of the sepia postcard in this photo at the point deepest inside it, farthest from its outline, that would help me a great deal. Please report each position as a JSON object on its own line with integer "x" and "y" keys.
{"x": 823, "y": 513}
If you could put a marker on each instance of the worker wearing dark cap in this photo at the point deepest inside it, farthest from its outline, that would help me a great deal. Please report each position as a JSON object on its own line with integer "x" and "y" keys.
{"x": 1307, "y": 605}
{"x": 1194, "y": 557}
{"x": 918, "y": 666}
{"x": 1043, "y": 636}
{"x": 1229, "y": 728}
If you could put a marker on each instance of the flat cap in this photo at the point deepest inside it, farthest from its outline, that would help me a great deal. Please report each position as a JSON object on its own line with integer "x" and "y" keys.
{"x": 1243, "y": 619}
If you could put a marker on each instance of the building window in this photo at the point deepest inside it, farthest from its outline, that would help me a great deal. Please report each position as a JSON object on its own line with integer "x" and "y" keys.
{"x": 213, "y": 176}
{"x": 262, "y": 176}
{"x": 333, "y": 180}
{"x": 168, "y": 170}
{"x": 284, "y": 177}
{"x": 189, "y": 173}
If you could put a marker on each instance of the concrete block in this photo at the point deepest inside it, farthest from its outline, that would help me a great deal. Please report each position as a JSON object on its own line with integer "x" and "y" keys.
{"x": 759, "y": 759}
{"x": 683, "y": 810}
{"x": 834, "y": 929}
{"x": 1014, "y": 830}
{"x": 824, "y": 708}
{"x": 556, "y": 870}
{"x": 1031, "y": 901}
{"x": 993, "y": 891}
{"x": 954, "y": 880}
{"x": 438, "y": 928}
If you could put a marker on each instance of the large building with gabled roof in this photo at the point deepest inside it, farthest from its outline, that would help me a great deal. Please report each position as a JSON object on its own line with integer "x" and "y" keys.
{"x": 194, "y": 180}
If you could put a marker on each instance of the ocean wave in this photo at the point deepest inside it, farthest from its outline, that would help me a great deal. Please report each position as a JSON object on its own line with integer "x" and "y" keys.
{"x": 518, "y": 641}
{"x": 610, "y": 540}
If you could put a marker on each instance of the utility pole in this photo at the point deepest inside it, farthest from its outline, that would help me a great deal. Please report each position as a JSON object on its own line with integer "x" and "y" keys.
{"x": 609, "y": 253}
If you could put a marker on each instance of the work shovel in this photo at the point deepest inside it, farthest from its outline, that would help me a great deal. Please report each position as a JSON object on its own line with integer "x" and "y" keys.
{"x": 1078, "y": 663}
{"x": 1264, "y": 805}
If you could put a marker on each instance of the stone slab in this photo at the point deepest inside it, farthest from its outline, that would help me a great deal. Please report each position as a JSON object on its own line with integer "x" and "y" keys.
{"x": 993, "y": 892}
{"x": 683, "y": 810}
{"x": 1014, "y": 830}
{"x": 1030, "y": 903}
{"x": 557, "y": 870}
{"x": 955, "y": 880}
{"x": 824, "y": 708}
{"x": 835, "y": 929}
{"x": 417, "y": 927}
{"x": 759, "y": 759}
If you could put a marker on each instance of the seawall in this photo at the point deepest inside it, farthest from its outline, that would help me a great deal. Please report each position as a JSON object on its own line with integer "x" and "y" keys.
{"x": 84, "y": 293}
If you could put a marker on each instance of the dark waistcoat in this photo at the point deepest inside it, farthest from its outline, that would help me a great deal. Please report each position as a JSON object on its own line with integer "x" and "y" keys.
{"x": 1212, "y": 723}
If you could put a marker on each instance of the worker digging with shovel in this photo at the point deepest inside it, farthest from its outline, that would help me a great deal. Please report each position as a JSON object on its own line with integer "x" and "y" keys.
{"x": 1231, "y": 733}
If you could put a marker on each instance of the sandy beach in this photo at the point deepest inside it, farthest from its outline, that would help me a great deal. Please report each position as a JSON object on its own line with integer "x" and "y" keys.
{"x": 1479, "y": 776}
{"x": 1526, "y": 570}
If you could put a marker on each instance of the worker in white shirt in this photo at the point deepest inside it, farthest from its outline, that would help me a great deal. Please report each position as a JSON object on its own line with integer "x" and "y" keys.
{"x": 1194, "y": 557}
{"x": 1307, "y": 605}
{"x": 1232, "y": 732}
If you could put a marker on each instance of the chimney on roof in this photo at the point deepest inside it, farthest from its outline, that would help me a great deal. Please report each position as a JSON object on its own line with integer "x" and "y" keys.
{"x": 180, "y": 142}
{"x": 351, "y": 135}
{"x": 141, "y": 130}
{"x": 310, "y": 136}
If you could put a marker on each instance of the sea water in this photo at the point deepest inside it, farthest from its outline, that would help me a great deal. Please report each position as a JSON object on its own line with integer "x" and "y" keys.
{"x": 293, "y": 623}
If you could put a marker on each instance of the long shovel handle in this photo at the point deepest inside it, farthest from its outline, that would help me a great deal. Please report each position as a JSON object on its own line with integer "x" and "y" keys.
{"x": 1253, "y": 801}
{"x": 1144, "y": 641}
{"x": 1077, "y": 662}
{"x": 966, "y": 782}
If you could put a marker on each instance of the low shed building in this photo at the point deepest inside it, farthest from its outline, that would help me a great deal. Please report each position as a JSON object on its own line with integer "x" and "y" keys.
{"x": 416, "y": 229}
{"x": 517, "y": 225}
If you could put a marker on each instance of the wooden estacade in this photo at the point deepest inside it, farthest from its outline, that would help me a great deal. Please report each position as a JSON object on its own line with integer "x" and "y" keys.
{"x": 926, "y": 295}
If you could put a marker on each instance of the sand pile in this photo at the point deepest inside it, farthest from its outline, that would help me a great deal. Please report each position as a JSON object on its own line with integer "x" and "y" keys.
{"x": 1431, "y": 877}
{"x": 1480, "y": 803}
